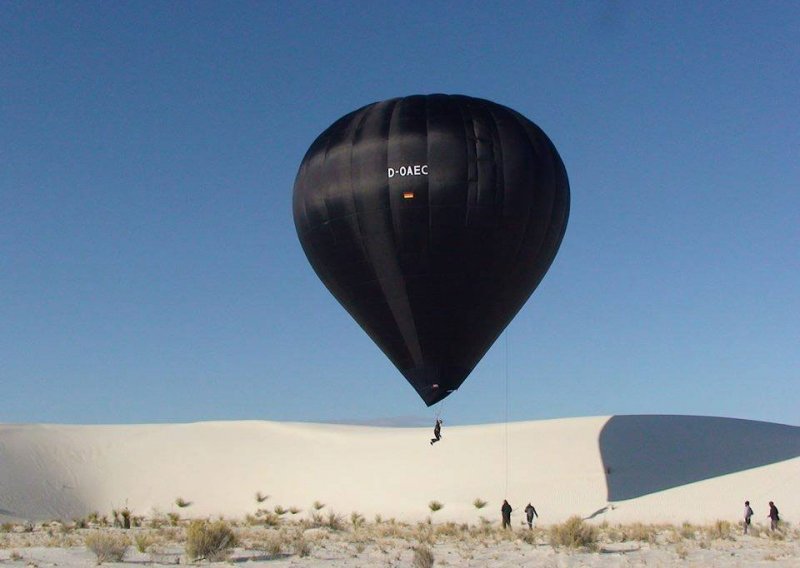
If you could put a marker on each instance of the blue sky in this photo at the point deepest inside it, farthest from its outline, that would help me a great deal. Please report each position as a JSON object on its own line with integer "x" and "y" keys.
{"x": 150, "y": 269}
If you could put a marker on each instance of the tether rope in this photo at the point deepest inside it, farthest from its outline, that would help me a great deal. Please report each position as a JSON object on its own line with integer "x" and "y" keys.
{"x": 506, "y": 412}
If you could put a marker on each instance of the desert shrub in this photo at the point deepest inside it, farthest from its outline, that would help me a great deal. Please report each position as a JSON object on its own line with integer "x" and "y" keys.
{"x": 174, "y": 519}
{"x": 449, "y": 530}
{"x": 777, "y": 535}
{"x": 640, "y": 532}
{"x": 316, "y": 520}
{"x": 171, "y": 534}
{"x": 107, "y": 547}
{"x": 423, "y": 557}
{"x": 300, "y": 545}
{"x": 479, "y": 503}
{"x": 122, "y": 518}
{"x": 62, "y": 541}
{"x": 260, "y": 497}
{"x": 391, "y": 529}
{"x": 279, "y": 510}
{"x": 357, "y": 519}
{"x": 335, "y": 522}
{"x": 673, "y": 535}
{"x": 210, "y": 540}
{"x": 156, "y": 521}
{"x": 573, "y": 533}
{"x": 294, "y": 510}
{"x": 720, "y": 530}
{"x": 688, "y": 531}
{"x": 614, "y": 533}
{"x": 143, "y": 541}
{"x": 435, "y": 506}
{"x": 532, "y": 536}
{"x": 7, "y": 527}
{"x": 425, "y": 533}
{"x": 273, "y": 544}
{"x": 181, "y": 502}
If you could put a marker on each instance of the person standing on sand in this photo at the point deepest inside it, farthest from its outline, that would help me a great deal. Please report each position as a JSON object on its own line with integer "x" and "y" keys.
{"x": 506, "y": 510}
{"x": 437, "y": 431}
{"x": 530, "y": 512}
{"x": 748, "y": 512}
{"x": 773, "y": 516}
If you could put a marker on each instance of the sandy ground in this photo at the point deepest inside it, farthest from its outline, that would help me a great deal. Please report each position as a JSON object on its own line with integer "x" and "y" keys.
{"x": 609, "y": 471}
{"x": 367, "y": 547}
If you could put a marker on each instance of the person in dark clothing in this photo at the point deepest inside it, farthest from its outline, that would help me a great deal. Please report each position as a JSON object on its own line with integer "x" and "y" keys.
{"x": 748, "y": 512}
{"x": 773, "y": 516}
{"x": 437, "y": 431}
{"x": 506, "y": 510}
{"x": 530, "y": 512}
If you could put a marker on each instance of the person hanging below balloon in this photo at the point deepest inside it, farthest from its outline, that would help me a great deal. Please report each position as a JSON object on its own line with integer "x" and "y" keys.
{"x": 437, "y": 431}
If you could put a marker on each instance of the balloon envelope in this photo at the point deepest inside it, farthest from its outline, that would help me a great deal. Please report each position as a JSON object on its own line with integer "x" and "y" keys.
{"x": 432, "y": 219}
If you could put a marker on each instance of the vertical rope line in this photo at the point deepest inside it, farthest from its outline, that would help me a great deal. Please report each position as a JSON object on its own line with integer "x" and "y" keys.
{"x": 506, "y": 411}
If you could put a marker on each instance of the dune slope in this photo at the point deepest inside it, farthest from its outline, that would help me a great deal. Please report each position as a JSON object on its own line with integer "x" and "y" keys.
{"x": 620, "y": 468}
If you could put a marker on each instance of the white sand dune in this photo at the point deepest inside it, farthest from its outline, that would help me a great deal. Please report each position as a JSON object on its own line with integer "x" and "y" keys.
{"x": 620, "y": 468}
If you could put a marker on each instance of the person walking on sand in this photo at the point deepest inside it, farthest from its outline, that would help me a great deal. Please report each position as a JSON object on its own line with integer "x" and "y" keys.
{"x": 748, "y": 512}
{"x": 506, "y": 510}
{"x": 530, "y": 512}
{"x": 437, "y": 431}
{"x": 773, "y": 516}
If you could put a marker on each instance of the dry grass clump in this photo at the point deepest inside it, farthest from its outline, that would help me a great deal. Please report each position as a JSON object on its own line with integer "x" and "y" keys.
{"x": 62, "y": 541}
{"x": 182, "y": 503}
{"x": 300, "y": 545}
{"x": 574, "y": 533}
{"x": 721, "y": 530}
{"x": 435, "y": 506}
{"x": 423, "y": 557}
{"x": 479, "y": 503}
{"x": 107, "y": 547}
{"x": 392, "y": 529}
{"x": 641, "y": 532}
{"x": 533, "y": 536}
{"x": 688, "y": 531}
{"x": 451, "y": 530}
{"x": 272, "y": 542}
{"x": 273, "y": 545}
{"x": 143, "y": 541}
{"x": 777, "y": 534}
{"x": 212, "y": 541}
{"x": 335, "y": 521}
{"x": 357, "y": 519}
{"x": 425, "y": 534}
{"x": 634, "y": 532}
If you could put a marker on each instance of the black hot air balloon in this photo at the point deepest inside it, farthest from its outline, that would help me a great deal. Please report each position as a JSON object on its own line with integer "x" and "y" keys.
{"x": 432, "y": 219}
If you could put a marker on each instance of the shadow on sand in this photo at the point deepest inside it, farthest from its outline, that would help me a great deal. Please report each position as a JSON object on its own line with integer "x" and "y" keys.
{"x": 649, "y": 453}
